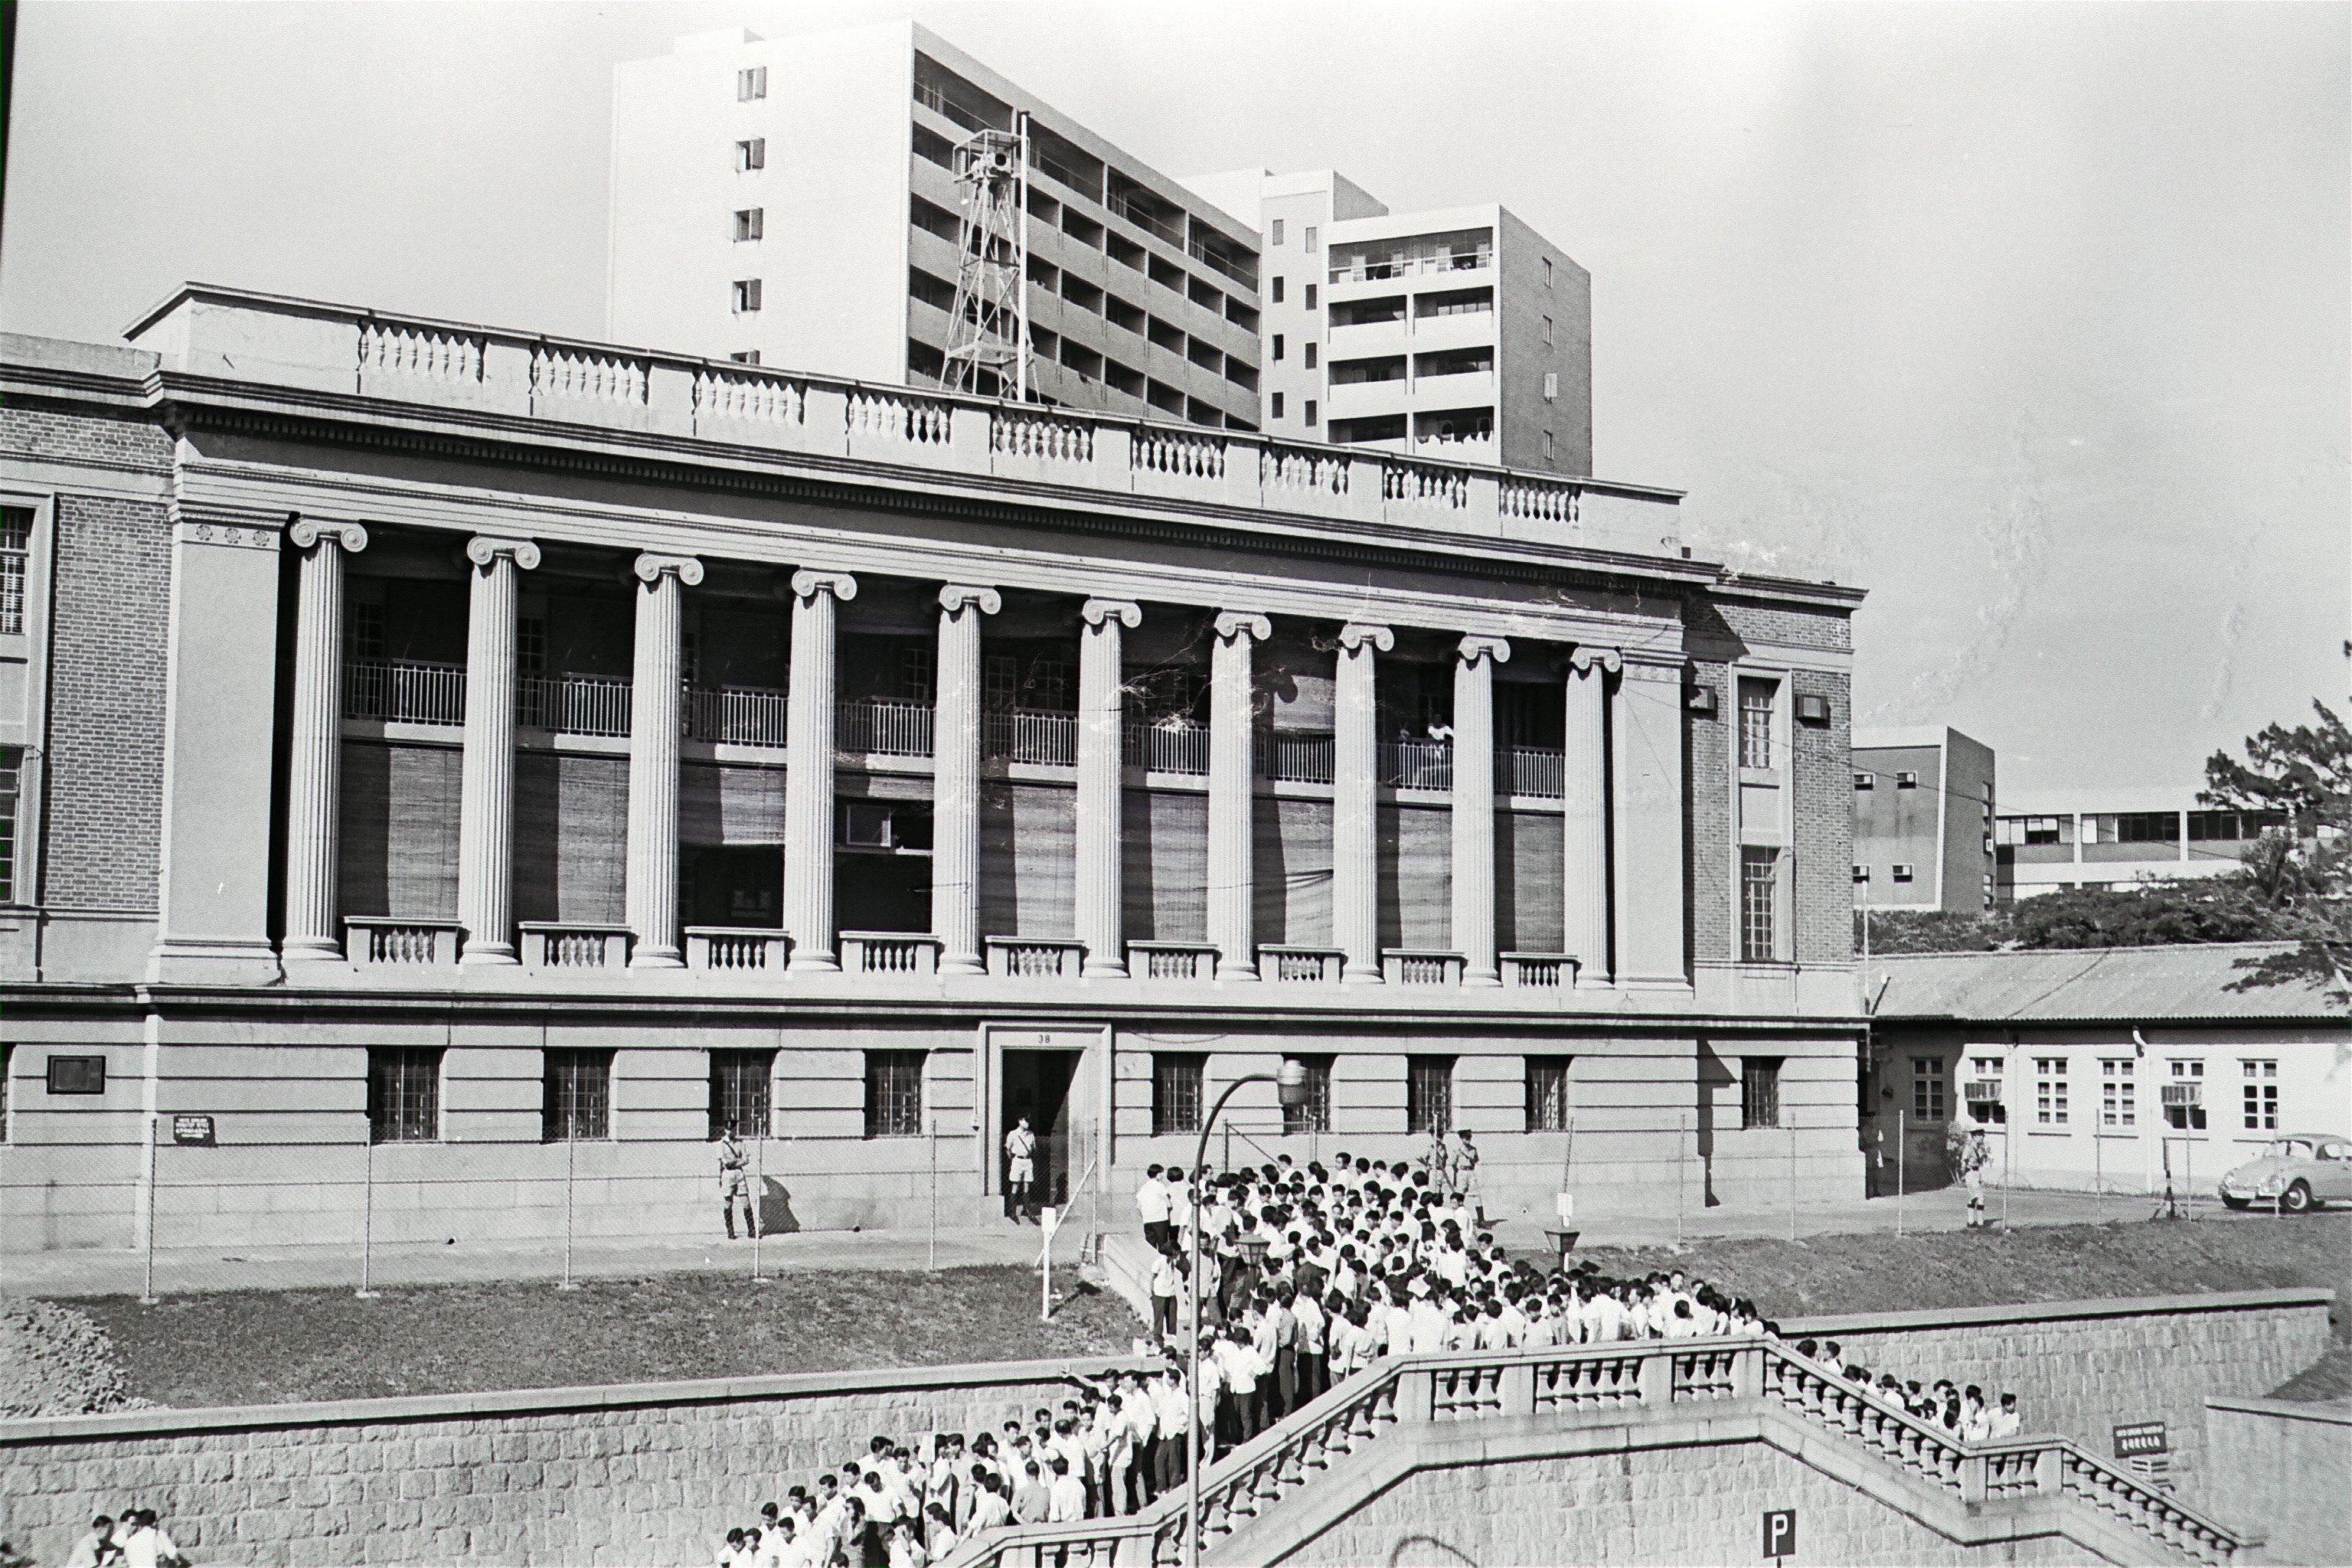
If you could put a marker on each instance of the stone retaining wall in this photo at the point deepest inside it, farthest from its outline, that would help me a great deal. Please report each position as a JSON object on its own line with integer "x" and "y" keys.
{"x": 2286, "y": 1467}
{"x": 2081, "y": 1368}
{"x": 638, "y": 1475}
{"x": 644, "y": 1475}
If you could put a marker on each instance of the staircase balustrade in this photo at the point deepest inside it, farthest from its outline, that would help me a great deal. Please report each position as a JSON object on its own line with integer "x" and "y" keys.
{"x": 1468, "y": 1386}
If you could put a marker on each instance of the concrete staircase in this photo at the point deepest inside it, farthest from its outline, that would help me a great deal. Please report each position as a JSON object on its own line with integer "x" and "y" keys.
{"x": 1276, "y": 1499}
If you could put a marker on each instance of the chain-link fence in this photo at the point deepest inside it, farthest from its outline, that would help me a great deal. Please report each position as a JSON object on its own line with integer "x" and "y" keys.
{"x": 177, "y": 1213}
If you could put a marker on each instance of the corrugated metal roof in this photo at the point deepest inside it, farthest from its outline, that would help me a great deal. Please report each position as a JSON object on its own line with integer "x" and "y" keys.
{"x": 2184, "y": 980}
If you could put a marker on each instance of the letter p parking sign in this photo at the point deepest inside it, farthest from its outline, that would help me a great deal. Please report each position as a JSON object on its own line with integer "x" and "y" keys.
{"x": 1780, "y": 1532}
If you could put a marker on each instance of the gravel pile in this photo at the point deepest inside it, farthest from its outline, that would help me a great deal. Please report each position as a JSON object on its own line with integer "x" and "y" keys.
{"x": 55, "y": 1362}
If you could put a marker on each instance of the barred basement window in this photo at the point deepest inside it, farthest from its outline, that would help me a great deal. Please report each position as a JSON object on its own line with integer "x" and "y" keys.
{"x": 1429, "y": 1094}
{"x": 15, "y": 551}
{"x": 1547, "y": 1094}
{"x": 739, "y": 1093}
{"x": 12, "y": 789}
{"x": 1315, "y": 1114}
{"x": 404, "y": 1094}
{"x": 1176, "y": 1091}
{"x": 894, "y": 1094}
{"x": 576, "y": 1097}
{"x": 1760, "y": 1091}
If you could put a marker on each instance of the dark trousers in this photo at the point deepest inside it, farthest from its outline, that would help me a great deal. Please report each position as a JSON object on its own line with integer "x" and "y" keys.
{"x": 1163, "y": 1316}
{"x": 1314, "y": 1374}
{"x": 1169, "y": 1455}
{"x": 1157, "y": 1233}
{"x": 1286, "y": 1380}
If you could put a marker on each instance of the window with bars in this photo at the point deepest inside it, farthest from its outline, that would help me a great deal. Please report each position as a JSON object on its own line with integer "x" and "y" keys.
{"x": 1429, "y": 1094}
{"x": 2260, "y": 1094}
{"x": 366, "y": 630}
{"x": 2118, "y": 1092}
{"x": 2050, "y": 1091}
{"x": 404, "y": 1094}
{"x": 1759, "y": 915}
{"x": 15, "y": 553}
{"x": 1760, "y": 1091}
{"x": 1756, "y": 702}
{"x": 12, "y": 791}
{"x": 531, "y": 645}
{"x": 1928, "y": 1088}
{"x": 2184, "y": 1102}
{"x": 894, "y": 1094}
{"x": 1176, "y": 1091}
{"x": 1547, "y": 1094}
{"x": 739, "y": 1093}
{"x": 576, "y": 1097}
{"x": 1313, "y": 1114}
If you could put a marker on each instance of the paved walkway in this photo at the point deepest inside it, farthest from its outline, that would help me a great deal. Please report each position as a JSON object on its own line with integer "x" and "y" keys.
{"x": 179, "y": 1271}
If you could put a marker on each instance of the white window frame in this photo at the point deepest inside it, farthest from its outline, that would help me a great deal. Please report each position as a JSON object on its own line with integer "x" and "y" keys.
{"x": 750, "y": 154}
{"x": 746, "y": 295}
{"x": 751, "y": 225}
{"x": 2052, "y": 1104}
{"x": 2118, "y": 1092}
{"x": 21, "y": 729}
{"x": 1551, "y": 386}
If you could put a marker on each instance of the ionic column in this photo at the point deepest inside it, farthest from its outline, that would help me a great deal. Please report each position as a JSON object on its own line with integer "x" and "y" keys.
{"x": 955, "y": 779}
{"x": 1102, "y": 710}
{"x": 808, "y": 768}
{"x": 1355, "y": 806}
{"x": 486, "y": 801}
{"x": 1584, "y": 837}
{"x": 1473, "y": 806}
{"x": 1232, "y": 793}
{"x": 313, "y": 785}
{"x": 655, "y": 721}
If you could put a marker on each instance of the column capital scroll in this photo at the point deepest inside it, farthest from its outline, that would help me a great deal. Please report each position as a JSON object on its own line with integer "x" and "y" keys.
{"x": 1232, "y": 623}
{"x": 957, "y": 597}
{"x": 649, "y": 568}
{"x": 1094, "y": 611}
{"x": 1588, "y": 657}
{"x": 483, "y": 549}
{"x": 1356, "y": 634}
{"x": 305, "y": 531}
{"x": 807, "y": 584}
{"x": 1473, "y": 648}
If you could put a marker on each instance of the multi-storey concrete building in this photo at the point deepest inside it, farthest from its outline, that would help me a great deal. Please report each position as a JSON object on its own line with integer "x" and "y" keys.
{"x": 1923, "y": 820}
{"x": 1459, "y": 332}
{"x": 2116, "y": 837}
{"x": 435, "y": 744}
{"x": 794, "y": 202}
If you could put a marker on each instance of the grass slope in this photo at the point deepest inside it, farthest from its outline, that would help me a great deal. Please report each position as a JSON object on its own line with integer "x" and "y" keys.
{"x": 270, "y": 1347}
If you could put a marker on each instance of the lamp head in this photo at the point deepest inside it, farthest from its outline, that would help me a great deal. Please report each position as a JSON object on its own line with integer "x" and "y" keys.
{"x": 1290, "y": 1083}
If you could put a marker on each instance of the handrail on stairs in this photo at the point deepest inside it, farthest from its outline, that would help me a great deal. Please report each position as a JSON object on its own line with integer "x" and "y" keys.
{"x": 1566, "y": 1379}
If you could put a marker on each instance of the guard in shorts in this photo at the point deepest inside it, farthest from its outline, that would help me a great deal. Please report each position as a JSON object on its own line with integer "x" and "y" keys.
{"x": 1020, "y": 1165}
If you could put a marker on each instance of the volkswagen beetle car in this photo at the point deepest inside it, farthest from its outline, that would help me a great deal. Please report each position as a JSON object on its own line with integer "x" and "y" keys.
{"x": 2297, "y": 1173}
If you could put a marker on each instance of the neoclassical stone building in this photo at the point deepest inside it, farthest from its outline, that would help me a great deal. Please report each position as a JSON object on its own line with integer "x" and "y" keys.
{"x": 474, "y": 766}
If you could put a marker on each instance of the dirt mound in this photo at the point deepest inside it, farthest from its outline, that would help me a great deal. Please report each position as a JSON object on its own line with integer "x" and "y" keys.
{"x": 56, "y": 1362}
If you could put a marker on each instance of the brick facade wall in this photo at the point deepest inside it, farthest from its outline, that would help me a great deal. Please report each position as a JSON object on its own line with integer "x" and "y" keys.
{"x": 1823, "y": 780}
{"x": 77, "y": 437}
{"x": 1794, "y": 628}
{"x": 1710, "y": 867}
{"x": 105, "y": 781}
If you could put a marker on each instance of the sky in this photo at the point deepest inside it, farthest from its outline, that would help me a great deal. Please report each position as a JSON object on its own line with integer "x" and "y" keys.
{"x": 2033, "y": 321}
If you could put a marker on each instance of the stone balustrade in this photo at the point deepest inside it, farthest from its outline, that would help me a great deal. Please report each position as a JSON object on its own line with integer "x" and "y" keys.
{"x": 569, "y": 945}
{"x": 556, "y": 381}
{"x": 376, "y": 942}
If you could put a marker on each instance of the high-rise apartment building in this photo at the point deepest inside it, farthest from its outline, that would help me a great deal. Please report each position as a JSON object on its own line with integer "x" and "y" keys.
{"x": 794, "y": 202}
{"x": 1457, "y": 332}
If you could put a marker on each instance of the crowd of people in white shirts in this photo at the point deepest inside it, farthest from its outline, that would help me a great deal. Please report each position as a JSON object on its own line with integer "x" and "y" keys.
{"x": 133, "y": 1538}
{"x": 1308, "y": 1274}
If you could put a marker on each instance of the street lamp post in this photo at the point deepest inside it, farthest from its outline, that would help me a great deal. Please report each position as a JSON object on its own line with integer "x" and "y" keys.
{"x": 1290, "y": 1084}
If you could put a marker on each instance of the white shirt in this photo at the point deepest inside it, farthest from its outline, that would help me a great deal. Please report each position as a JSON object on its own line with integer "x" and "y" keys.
{"x": 146, "y": 1546}
{"x": 1070, "y": 1500}
{"x": 1154, "y": 1201}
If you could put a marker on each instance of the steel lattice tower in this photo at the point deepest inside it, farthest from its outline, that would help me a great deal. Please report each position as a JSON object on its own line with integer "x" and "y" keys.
{"x": 988, "y": 330}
